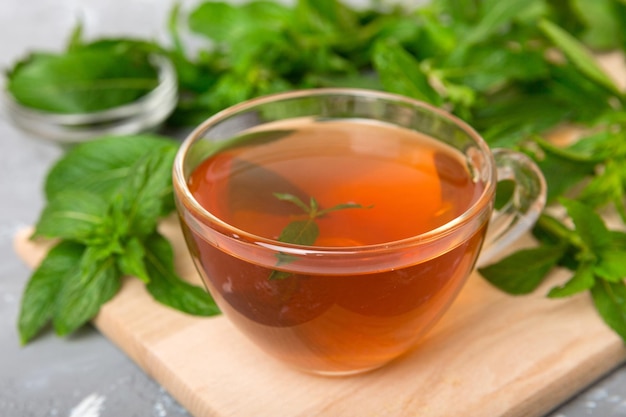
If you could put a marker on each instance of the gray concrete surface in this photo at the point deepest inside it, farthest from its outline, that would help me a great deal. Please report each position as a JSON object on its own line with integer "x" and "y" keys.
{"x": 85, "y": 375}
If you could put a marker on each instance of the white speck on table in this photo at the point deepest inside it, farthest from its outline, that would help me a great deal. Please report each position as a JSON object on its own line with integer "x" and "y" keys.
{"x": 90, "y": 406}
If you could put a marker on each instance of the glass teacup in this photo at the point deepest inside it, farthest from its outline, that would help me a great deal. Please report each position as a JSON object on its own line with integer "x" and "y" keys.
{"x": 334, "y": 227}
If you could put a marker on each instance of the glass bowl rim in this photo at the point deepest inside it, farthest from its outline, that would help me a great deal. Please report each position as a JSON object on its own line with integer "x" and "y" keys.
{"x": 165, "y": 93}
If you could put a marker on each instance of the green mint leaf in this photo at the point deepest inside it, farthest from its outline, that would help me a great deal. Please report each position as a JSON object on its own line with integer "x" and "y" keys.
{"x": 146, "y": 192}
{"x": 224, "y": 22}
{"x": 73, "y": 215}
{"x": 561, "y": 171}
{"x": 40, "y": 296}
{"x": 606, "y": 187}
{"x": 75, "y": 40}
{"x": 401, "y": 73}
{"x": 101, "y": 165}
{"x": 589, "y": 225}
{"x": 326, "y": 16}
{"x": 314, "y": 210}
{"x": 293, "y": 199}
{"x": 504, "y": 193}
{"x": 460, "y": 11}
{"x": 582, "y": 280}
{"x": 611, "y": 265}
{"x": 218, "y": 20}
{"x": 579, "y": 56}
{"x": 618, "y": 239}
{"x": 523, "y": 271}
{"x": 602, "y": 26}
{"x": 300, "y": 232}
{"x": 267, "y": 14}
{"x": 551, "y": 231}
{"x": 507, "y": 118}
{"x": 97, "y": 252}
{"x": 585, "y": 99}
{"x": 572, "y": 153}
{"x": 597, "y": 147}
{"x": 92, "y": 284}
{"x": 82, "y": 80}
{"x": 276, "y": 274}
{"x": 610, "y": 301}
{"x": 282, "y": 259}
{"x": 494, "y": 16}
{"x": 491, "y": 66}
{"x": 173, "y": 28}
{"x": 343, "y": 206}
{"x": 167, "y": 287}
{"x": 437, "y": 39}
{"x": 131, "y": 261}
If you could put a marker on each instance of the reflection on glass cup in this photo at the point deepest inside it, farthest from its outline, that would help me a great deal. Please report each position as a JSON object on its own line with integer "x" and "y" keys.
{"x": 334, "y": 227}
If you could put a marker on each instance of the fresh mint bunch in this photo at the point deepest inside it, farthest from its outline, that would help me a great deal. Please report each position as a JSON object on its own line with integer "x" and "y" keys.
{"x": 593, "y": 253}
{"x": 514, "y": 70}
{"x": 104, "y": 201}
{"x": 261, "y": 47}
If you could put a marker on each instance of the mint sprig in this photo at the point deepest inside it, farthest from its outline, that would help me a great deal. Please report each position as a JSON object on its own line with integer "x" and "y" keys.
{"x": 593, "y": 253}
{"x": 303, "y": 232}
{"x": 105, "y": 199}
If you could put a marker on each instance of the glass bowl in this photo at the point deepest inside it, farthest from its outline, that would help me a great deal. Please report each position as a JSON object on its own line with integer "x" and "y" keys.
{"x": 141, "y": 115}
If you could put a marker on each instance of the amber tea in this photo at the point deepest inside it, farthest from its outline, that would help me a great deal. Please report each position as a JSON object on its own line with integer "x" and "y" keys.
{"x": 335, "y": 226}
{"x": 406, "y": 183}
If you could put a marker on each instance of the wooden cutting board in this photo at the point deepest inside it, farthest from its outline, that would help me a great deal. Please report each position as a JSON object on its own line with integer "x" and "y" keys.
{"x": 491, "y": 355}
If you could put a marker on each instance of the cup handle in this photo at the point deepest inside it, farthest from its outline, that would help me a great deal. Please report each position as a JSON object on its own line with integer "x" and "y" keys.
{"x": 520, "y": 212}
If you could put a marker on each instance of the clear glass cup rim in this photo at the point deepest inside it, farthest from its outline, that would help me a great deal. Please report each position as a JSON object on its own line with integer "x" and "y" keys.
{"x": 188, "y": 201}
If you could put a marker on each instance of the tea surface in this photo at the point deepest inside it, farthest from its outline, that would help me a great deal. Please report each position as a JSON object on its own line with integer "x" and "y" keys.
{"x": 411, "y": 183}
{"x": 324, "y": 321}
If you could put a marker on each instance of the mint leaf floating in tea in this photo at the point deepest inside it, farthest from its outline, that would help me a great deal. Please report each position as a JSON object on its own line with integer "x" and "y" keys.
{"x": 303, "y": 232}
{"x": 105, "y": 199}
